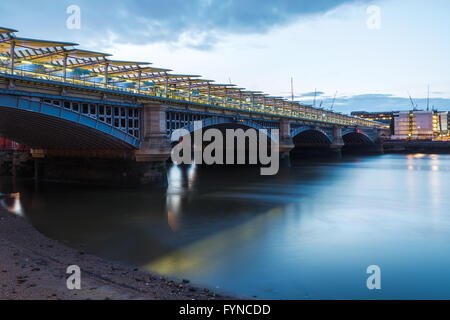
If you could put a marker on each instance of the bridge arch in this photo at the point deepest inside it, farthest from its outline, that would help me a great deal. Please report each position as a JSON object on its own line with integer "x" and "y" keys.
{"x": 309, "y": 135}
{"x": 356, "y": 137}
{"x": 212, "y": 122}
{"x": 42, "y": 124}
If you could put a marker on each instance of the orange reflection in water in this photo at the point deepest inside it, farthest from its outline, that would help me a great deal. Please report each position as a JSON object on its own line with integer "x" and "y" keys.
{"x": 12, "y": 204}
{"x": 173, "y": 221}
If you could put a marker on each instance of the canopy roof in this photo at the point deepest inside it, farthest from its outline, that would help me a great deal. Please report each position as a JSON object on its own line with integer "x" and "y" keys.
{"x": 133, "y": 72}
{"x": 84, "y": 54}
{"x": 112, "y": 63}
{"x": 194, "y": 83}
{"x": 25, "y": 43}
{"x": 6, "y": 30}
{"x": 119, "y": 63}
{"x": 170, "y": 78}
{"x": 34, "y": 43}
{"x": 57, "y": 55}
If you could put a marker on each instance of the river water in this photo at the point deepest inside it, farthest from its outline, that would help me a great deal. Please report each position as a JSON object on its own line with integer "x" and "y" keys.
{"x": 309, "y": 233}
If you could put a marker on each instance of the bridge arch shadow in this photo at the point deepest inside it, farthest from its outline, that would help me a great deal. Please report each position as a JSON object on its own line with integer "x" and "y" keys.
{"x": 357, "y": 138}
{"x": 357, "y": 143}
{"x": 311, "y": 143}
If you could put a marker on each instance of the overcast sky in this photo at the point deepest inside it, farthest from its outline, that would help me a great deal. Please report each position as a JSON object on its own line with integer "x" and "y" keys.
{"x": 324, "y": 45}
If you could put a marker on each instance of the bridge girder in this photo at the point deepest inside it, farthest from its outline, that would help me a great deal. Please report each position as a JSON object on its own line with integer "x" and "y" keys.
{"x": 41, "y": 125}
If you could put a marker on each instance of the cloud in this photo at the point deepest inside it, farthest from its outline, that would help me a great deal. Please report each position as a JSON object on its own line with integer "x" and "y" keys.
{"x": 311, "y": 94}
{"x": 196, "y": 22}
{"x": 381, "y": 102}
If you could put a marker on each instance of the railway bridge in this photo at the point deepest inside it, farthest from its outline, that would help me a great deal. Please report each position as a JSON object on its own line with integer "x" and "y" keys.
{"x": 87, "y": 117}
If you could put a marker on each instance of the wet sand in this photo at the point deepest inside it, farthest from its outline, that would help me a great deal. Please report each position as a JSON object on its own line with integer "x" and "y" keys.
{"x": 33, "y": 267}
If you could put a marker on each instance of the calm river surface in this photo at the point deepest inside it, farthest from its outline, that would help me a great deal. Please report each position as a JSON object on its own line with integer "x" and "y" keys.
{"x": 308, "y": 233}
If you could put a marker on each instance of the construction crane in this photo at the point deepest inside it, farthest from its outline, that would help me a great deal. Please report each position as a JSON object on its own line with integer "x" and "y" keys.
{"x": 292, "y": 89}
{"x": 315, "y": 96}
{"x": 412, "y": 102}
{"x": 334, "y": 100}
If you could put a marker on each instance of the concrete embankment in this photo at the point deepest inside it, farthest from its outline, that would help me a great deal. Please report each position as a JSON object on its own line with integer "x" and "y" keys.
{"x": 33, "y": 267}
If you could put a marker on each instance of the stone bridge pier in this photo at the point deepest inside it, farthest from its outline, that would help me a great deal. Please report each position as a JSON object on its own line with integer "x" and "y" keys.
{"x": 337, "y": 143}
{"x": 379, "y": 141}
{"x": 155, "y": 145}
{"x": 286, "y": 143}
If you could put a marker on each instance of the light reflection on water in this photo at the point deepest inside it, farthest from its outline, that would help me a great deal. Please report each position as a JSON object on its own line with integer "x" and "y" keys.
{"x": 12, "y": 204}
{"x": 310, "y": 232}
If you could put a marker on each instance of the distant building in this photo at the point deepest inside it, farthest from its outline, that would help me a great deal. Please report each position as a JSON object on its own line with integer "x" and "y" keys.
{"x": 419, "y": 125}
{"x": 383, "y": 117}
{"x": 411, "y": 124}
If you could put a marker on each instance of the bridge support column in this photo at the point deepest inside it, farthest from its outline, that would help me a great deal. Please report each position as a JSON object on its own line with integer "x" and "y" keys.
{"x": 14, "y": 165}
{"x": 378, "y": 148}
{"x": 155, "y": 146}
{"x": 338, "y": 143}
{"x": 38, "y": 170}
{"x": 38, "y": 156}
{"x": 286, "y": 143}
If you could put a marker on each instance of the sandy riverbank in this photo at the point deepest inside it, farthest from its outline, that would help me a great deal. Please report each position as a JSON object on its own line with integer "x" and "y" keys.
{"x": 33, "y": 267}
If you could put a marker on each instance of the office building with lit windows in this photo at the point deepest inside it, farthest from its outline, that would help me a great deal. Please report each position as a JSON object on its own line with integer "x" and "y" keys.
{"x": 411, "y": 125}
{"x": 383, "y": 117}
{"x": 420, "y": 125}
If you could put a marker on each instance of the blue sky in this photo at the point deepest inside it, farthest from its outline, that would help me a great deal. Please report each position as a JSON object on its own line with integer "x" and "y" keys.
{"x": 324, "y": 45}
